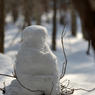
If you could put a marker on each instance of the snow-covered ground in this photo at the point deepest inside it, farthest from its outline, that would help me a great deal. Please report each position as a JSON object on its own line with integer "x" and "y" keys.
{"x": 80, "y": 68}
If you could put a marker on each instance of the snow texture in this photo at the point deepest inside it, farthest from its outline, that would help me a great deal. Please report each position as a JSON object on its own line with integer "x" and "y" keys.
{"x": 36, "y": 66}
{"x": 5, "y": 63}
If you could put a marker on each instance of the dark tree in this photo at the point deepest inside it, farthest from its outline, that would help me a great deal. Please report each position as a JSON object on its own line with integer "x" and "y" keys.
{"x": 87, "y": 15}
{"x": 73, "y": 21}
{"x": 2, "y": 26}
{"x": 14, "y": 9}
{"x": 54, "y": 27}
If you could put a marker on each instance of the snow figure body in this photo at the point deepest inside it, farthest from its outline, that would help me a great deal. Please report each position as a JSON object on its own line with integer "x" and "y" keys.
{"x": 36, "y": 66}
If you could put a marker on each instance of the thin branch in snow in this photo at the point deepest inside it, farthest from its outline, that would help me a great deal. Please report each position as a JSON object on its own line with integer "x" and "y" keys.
{"x": 63, "y": 81}
{"x": 85, "y": 89}
{"x": 3, "y": 89}
{"x": 26, "y": 87}
{"x": 68, "y": 83}
{"x": 7, "y": 75}
{"x": 52, "y": 88}
{"x": 65, "y": 63}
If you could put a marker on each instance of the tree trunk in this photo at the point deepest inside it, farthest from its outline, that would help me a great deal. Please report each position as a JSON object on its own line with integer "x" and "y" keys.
{"x": 73, "y": 21}
{"x": 54, "y": 27}
{"x": 2, "y": 26}
{"x": 85, "y": 34}
{"x": 38, "y": 12}
{"x": 87, "y": 15}
{"x": 88, "y": 50}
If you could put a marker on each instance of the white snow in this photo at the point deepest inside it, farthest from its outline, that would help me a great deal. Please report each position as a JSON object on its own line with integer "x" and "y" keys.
{"x": 81, "y": 67}
{"x": 6, "y": 67}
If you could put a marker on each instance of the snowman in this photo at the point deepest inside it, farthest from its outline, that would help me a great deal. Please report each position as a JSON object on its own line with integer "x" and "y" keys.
{"x": 36, "y": 66}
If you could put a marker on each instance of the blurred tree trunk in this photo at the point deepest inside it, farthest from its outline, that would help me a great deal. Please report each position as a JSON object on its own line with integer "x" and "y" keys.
{"x": 38, "y": 12}
{"x": 63, "y": 7}
{"x": 54, "y": 27}
{"x": 85, "y": 34}
{"x": 87, "y": 15}
{"x": 14, "y": 10}
{"x": 73, "y": 21}
{"x": 27, "y": 20}
{"x": 88, "y": 49}
{"x": 2, "y": 26}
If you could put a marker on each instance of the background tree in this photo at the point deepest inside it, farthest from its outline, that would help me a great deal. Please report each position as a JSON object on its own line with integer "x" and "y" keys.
{"x": 87, "y": 15}
{"x": 37, "y": 11}
{"x": 14, "y": 10}
{"x": 62, "y": 11}
{"x": 2, "y": 26}
{"x": 46, "y": 8}
{"x": 73, "y": 20}
{"x": 54, "y": 27}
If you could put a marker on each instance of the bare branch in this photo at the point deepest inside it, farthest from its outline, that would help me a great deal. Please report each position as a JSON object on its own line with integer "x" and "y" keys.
{"x": 85, "y": 89}
{"x": 7, "y": 75}
{"x": 52, "y": 88}
{"x": 26, "y": 87}
{"x": 68, "y": 83}
{"x": 2, "y": 89}
{"x": 63, "y": 81}
{"x": 65, "y": 63}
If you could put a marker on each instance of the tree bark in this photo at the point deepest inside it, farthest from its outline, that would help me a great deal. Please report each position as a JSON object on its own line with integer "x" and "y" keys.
{"x": 87, "y": 15}
{"x": 73, "y": 21}
{"x": 54, "y": 27}
{"x": 85, "y": 34}
{"x": 2, "y": 26}
{"x": 38, "y": 12}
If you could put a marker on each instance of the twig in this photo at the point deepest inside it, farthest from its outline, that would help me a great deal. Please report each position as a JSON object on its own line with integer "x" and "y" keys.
{"x": 3, "y": 89}
{"x": 7, "y": 75}
{"x": 52, "y": 88}
{"x": 20, "y": 83}
{"x": 85, "y": 89}
{"x": 68, "y": 83}
{"x": 65, "y": 63}
{"x": 63, "y": 81}
{"x": 26, "y": 87}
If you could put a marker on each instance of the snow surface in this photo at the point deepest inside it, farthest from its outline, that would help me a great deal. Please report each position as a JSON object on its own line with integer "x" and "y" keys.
{"x": 81, "y": 67}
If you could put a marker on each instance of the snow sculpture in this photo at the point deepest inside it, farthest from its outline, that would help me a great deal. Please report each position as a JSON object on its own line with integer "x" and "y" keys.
{"x": 36, "y": 66}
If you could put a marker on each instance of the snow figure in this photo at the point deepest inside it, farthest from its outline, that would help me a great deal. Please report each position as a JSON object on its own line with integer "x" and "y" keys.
{"x": 36, "y": 66}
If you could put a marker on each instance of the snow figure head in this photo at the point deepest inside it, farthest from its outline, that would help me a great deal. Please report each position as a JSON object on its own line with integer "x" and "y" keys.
{"x": 35, "y": 35}
{"x": 36, "y": 66}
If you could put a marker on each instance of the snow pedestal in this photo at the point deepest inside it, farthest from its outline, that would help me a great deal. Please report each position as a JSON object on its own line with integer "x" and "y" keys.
{"x": 36, "y": 66}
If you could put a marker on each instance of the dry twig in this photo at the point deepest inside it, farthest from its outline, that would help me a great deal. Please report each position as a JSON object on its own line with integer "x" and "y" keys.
{"x": 85, "y": 89}
{"x": 26, "y": 87}
{"x": 65, "y": 63}
{"x": 7, "y": 75}
{"x": 52, "y": 88}
{"x": 3, "y": 89}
